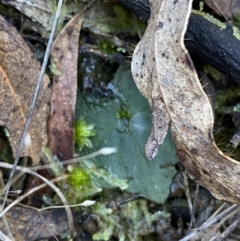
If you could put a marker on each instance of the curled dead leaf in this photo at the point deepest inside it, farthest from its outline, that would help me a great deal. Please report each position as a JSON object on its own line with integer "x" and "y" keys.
{"x": 165, "y": 74}
{"x": 34, "y": 224}
{"x": 225, "y": 8}
{"x": 63, "y": 98}
{"x": 19, "y": 71}
{"x": 64, "y": 55}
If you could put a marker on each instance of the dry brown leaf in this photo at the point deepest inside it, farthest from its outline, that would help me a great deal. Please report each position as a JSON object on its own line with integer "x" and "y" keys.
{"x": 33, "y": 224}
{"x": 40, "y": 12}
{"x": 19, "y": 72}
{"x": 165, "y": 74}
{"x": 63, "y": 98}
{"x": 225, "y": 8}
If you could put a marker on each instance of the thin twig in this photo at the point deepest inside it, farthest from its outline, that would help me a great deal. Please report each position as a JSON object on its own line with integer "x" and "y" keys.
{"x": 3, "y": 237}
{"x": 31, "y": 192}
{"x": 7, "y": 228}
{"x": 210, "y": 221}
{"x": 189, "y": 201}
{"x": 228, "y": 231}
{"x": 34, "y": 100}
{"x": 70, "y": 161}
{"x": 193, "y": 208}
{"x": 218, "y": 210}
{"x": 78, "y": 159}
{"x": 219, "y": 224}
{"x": 52, "y": 185}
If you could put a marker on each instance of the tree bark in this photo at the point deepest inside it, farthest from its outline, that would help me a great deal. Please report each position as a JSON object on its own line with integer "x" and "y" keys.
{"x": 203, "y": 39}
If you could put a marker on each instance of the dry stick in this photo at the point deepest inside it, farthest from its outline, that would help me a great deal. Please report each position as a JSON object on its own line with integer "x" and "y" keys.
{"x": 31, "y": 192}
{"x": 222, "y": 221}
{"x": 17, "y": 201}
{"x": 57, "y": 179}
{"x": 211, "y": 221}
{"x": 187, "y": 191}
{"x": 3, "y": 237}
{"x": 217, "y": 226}
{"x": 218, "y": 210}
{"x": 25, "y": 195}
{"x": 53, "y": 186}
{"x": 34, "y": 100}
{"x": 193, "y": 208}
{"x": 6, "y": 225}
{"x": 229, "y": 230}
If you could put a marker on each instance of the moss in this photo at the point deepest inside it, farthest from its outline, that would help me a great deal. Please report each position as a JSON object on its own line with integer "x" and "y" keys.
{"x": 78, "y": 177}
{"x": 227, "y": 101}
{"x": 131, "y": 222}
{"x": 123, "y": 113}
{"x": 225, "y": 107}
{"x": 86, "y": 180}
{"x": 53, "y": 68}
{"x": 222, "y": 136}
{"x": 236, "y": 20}
{"x": 83, "y": 131}
{"x": 221, "y": 25}
{"x": 115, "y": 20}
{"x": 107, "y": 47}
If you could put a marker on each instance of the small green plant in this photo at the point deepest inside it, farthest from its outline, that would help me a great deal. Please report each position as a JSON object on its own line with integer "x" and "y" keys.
{"x": 83, "y": 131}
{"x": 227, "y": 101}
{"x": 236, "y": 20}
{"x": 123, "y": 113}
{"x": 85, "y": 180}
{"x": 78, "y": 177}
{"x": 54, "y": 69}
{"x": 129, "y": 224}
{"x": 107, "y": 47}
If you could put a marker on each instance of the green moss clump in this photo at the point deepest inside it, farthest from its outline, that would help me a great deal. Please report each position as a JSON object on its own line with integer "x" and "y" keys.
{"x": 83, "y": 131}
{"x": 107, "y": 47}
{"x": 226, "y": 101}
{"x": 236, "y": 20}
{"x": 86, "y": 180}
{"x": 53, "y": 68}
{"x": 123, "y": 113}
{"x": 79, "y": 185}
{"x": 226, "y": 106}
{"x": 115, "y": 20}
{"x": 78, "y": 177}
{"x": 131, "y": 222}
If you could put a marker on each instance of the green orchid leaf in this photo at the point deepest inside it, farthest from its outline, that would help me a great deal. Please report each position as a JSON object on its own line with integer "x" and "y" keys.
{"x": 125, "y": 123}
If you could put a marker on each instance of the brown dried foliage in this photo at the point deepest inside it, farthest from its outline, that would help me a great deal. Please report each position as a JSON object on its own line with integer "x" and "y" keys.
{"x": 19, "y": 72}
{"x": 63, "y": 98}
{"x": 165, "y": 74}
{"x": 225, "y": 8}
